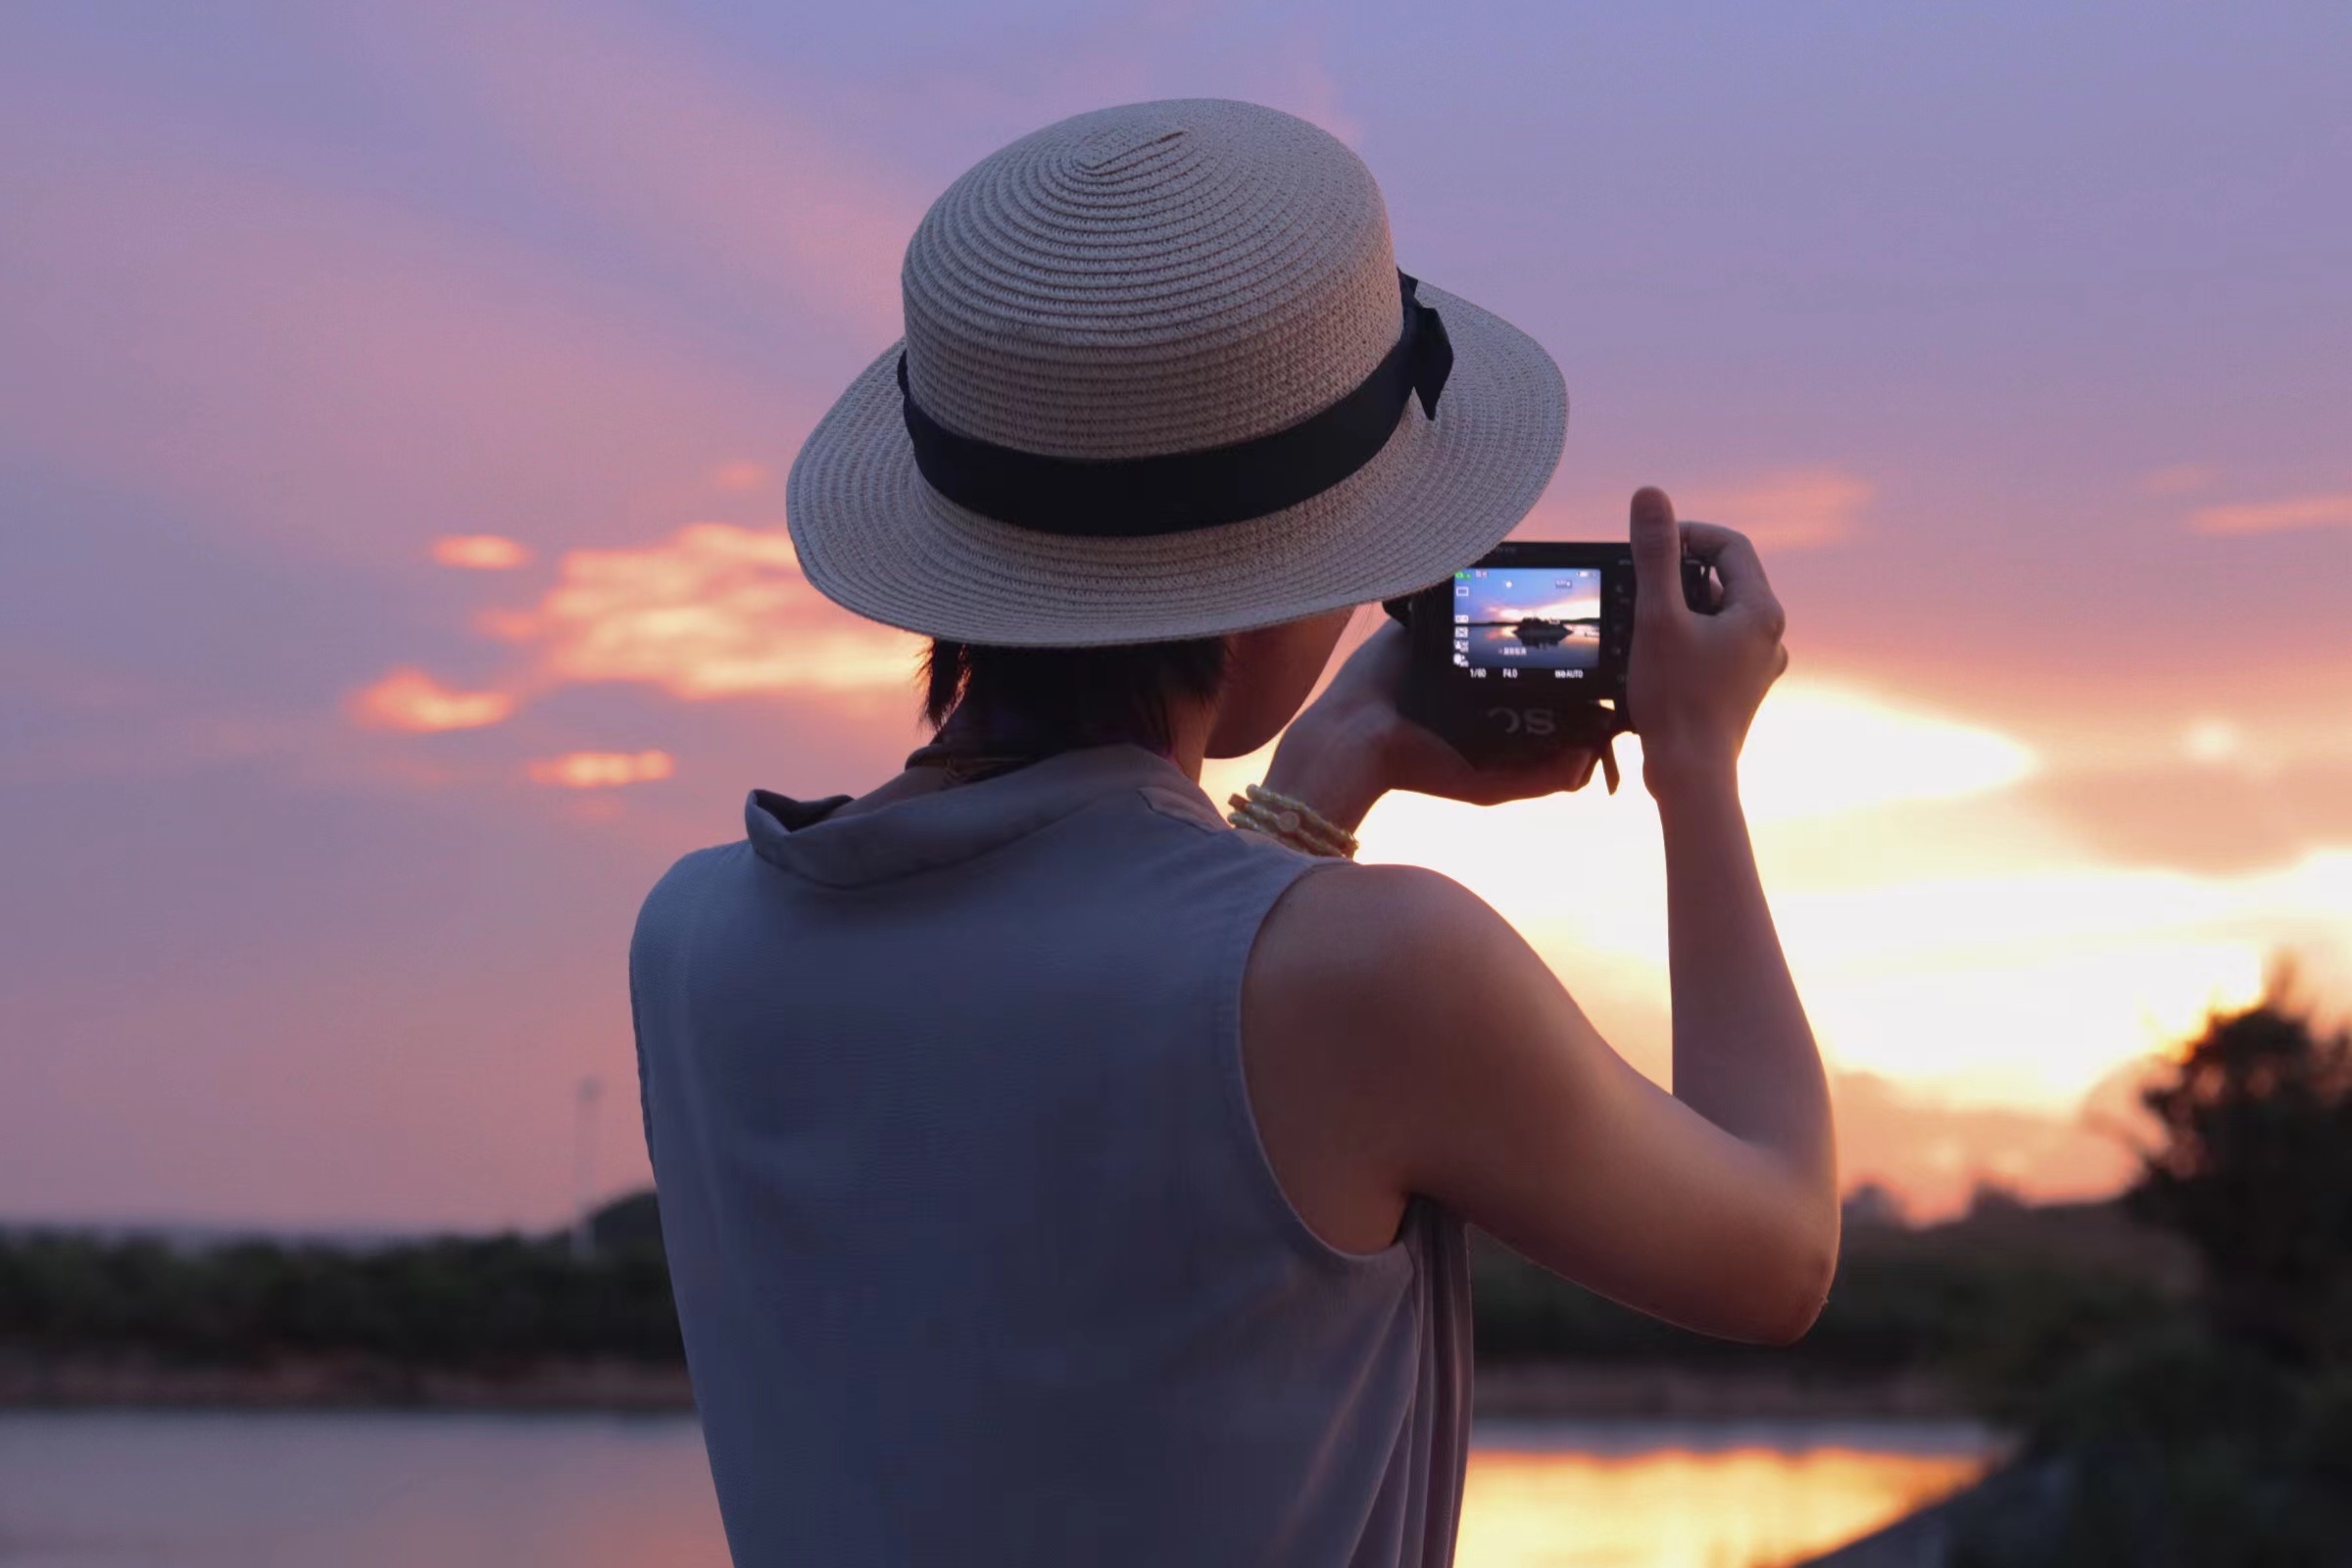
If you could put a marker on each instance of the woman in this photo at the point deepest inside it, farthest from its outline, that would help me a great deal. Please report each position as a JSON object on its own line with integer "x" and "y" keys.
{"x": 1053, "y": 1172}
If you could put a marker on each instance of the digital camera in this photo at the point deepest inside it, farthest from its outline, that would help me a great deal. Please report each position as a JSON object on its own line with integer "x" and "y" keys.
{"x": 1523, "y": 654}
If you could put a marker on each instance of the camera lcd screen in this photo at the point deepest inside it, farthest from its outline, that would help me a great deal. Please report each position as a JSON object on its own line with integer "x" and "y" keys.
{"x": 1527, "y": 623}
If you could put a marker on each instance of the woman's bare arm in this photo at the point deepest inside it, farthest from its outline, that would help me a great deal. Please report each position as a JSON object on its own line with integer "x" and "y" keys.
{"x": 1402, "y": 1038}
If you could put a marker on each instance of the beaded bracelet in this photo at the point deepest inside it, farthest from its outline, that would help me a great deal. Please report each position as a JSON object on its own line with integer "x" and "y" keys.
{"x": 1286, "y": 826}
{"x": 1291, "y": 821}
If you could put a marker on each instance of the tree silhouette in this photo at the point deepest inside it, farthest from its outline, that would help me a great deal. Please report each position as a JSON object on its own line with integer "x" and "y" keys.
{"x": 2255, "y": 1171}
{"x": 2220, "y": 1439}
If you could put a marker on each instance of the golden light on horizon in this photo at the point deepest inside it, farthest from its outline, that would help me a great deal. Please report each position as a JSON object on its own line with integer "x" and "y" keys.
{"x": 408, "y": 699}
{"x": 480, "y": 552}
{"x": 588, "y": 770}
{"x": 2029, "y": 1024}
{"x": 1819, "y": 749}
{"x": 1945, "y": 930}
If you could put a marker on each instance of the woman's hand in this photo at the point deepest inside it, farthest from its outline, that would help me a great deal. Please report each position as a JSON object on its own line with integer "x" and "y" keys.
{"x": 1694, "y": 681}
{"x": 1352, "y": 746}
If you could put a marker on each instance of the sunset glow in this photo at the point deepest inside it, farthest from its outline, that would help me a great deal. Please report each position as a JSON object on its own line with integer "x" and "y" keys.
{"x": 1970, "y": 958}
{"x": 407, "y": 514}
{"x": 1823, "y": 750}
{"x": 1990, "y": 983}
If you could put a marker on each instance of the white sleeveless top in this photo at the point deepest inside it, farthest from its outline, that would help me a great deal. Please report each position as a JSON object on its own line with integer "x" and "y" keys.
{"x": 977, "y": 1253}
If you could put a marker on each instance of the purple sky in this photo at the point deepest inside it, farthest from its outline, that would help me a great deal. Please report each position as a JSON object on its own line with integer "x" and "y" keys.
{"x": 2023, "y": 339}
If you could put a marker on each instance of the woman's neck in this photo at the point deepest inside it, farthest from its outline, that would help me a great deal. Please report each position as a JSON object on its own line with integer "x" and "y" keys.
{"x": 1188, "y": 724}
{"x": 999, "y": 734}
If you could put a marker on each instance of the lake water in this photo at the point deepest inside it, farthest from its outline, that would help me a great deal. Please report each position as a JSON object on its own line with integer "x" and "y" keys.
{"x": 143, "y": 1490}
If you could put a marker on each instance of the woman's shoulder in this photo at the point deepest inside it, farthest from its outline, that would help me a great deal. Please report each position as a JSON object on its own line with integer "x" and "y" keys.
{"x": 1358, "y": 927}
{"x": 688, "y": 875}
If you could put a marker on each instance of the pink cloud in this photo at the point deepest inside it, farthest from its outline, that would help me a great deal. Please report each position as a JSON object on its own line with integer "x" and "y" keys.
{"x": 714, "y": 611}
{"x": 742, "y": 476}
{"x": 588, "y": 770}
{"x": 1788, "y": 509}
{"x": 2332, "y": 511}
{"x": 480, "y": 552}
{"x": 408, "y": 699}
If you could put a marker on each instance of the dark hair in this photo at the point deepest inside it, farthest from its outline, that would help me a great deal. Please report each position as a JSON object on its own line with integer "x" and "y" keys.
{"x": 1065, "y": 697}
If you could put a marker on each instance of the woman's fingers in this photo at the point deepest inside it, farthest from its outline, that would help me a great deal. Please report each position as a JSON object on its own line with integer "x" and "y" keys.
{"x": 1427, "y": 765}
{"x": 1730, "y": 552}
{"x": 1746, "y": 589}
{"x": 1568, "y": 771}
{"x": 1657, "y": 548}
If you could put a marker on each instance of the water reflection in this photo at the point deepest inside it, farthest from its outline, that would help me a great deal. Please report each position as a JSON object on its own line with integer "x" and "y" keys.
{"x": 391, "y": 1491}
{"x": 1652, "y": 1495}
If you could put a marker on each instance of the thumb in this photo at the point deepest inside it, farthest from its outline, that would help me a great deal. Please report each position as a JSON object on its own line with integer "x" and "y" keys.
{"x": 1657, "y": 547}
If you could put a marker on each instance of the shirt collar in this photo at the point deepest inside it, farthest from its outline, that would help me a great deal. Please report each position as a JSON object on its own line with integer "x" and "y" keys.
{"x": 924, "y": 832}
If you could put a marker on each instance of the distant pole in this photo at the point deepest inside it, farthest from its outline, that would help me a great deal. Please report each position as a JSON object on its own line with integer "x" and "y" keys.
{"x": 583, "y": 1167}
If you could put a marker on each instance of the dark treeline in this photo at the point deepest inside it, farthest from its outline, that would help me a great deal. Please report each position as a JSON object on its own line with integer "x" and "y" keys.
{"x": 1990, "y": 1304}
{"x": 495, "y": 1304}
{"x": 2009, "y": 1292}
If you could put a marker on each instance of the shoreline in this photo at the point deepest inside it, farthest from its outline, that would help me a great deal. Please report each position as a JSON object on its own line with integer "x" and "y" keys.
{"x": 1594, "y": 1390}
{"x": 1510, "y": 1390}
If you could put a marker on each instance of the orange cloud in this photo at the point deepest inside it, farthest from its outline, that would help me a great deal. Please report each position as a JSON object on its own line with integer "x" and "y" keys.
{"x": 479, "y": 552}
{"x": 589, "y": 770}
{"x": 2277, "y": 516}
{"x": 741, "y": 476}
{"x": 409, "y": 699}
{"x": 1789, "y": 509}
{"x": 714, "y": 611}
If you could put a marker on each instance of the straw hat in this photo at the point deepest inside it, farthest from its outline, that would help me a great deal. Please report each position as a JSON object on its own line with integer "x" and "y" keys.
{"x": 1162, "y": 378}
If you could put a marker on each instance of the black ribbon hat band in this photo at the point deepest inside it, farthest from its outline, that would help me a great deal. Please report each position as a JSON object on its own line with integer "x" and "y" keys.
{"x": 1135, "y": 497}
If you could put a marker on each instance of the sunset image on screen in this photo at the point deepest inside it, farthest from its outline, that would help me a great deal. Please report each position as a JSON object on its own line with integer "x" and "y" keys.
{"x": 1528, "y": 619}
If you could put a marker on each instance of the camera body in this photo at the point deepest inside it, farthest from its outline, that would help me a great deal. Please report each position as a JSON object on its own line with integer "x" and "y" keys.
{"x": 1523, "y": 654}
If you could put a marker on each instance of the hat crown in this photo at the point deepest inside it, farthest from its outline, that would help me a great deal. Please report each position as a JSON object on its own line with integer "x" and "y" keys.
{"x": 1154, "y": 279}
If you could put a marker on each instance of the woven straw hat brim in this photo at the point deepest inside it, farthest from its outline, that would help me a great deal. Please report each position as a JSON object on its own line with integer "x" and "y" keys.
{"x": 873, "y": 537}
